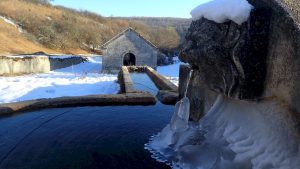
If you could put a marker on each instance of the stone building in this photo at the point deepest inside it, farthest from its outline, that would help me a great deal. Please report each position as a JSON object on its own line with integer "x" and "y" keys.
{"x": 129, "y": 49}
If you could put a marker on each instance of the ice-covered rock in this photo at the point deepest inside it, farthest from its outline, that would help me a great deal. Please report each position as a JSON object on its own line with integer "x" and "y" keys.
{"x": 232, "y": 135}
{"x": 246, "y": 79}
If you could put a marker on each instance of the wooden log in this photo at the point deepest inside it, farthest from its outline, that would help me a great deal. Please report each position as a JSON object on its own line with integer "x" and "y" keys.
{"x": 141, "y": 98}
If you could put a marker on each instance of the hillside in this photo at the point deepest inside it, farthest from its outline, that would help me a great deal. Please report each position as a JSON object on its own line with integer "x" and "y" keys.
{"x": 12, "y": 41}
{"x": 180, "y": 24}
{"x": 56, "y": 29}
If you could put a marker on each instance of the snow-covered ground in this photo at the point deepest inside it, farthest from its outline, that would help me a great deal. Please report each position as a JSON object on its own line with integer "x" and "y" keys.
{"x": 171, "y": 72}
{"x": 82, "y": 79}
{"x": 78, "y": 80}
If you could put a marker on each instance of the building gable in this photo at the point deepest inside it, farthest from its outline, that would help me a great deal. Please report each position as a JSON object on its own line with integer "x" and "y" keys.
{"x": 128, "y": 48}
{"x": 127, "y": 32}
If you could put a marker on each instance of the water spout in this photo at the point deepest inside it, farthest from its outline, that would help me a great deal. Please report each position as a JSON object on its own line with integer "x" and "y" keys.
{"x": 188, "y": 82}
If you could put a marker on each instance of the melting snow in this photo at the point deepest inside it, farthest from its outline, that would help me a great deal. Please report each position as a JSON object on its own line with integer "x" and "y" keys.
{"x": 9, "y": 21}
{"x": 223, "y": 10}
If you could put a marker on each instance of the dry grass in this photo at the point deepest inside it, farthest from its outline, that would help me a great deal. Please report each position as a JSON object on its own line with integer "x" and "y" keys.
{"x": 12, "y": 42}
{"x": 58, "y": 29}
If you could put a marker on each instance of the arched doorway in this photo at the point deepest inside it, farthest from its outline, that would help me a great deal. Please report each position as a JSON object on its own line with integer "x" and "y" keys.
{"x": 129, "y": 59}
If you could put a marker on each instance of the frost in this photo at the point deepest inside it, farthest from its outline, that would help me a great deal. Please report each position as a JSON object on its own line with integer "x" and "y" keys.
{"x": 220, "y": 11}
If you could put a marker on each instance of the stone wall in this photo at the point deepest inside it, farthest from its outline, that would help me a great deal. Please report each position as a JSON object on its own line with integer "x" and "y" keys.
{"x": 128, "y": 42}
{"x": 19, "y": 65}
{"x": 58, "y": 63}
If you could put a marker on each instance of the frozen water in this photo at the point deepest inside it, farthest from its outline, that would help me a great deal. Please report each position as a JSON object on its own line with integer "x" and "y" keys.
{"x": 180, "y": 118}
{"x": 232, "y": 135}
{"x": 223, "y": 10}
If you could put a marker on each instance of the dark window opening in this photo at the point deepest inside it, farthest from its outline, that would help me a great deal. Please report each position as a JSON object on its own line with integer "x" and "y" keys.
{"x": 129, "y": 60}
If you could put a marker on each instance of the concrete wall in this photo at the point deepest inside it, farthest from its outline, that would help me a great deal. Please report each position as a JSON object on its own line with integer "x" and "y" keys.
{"x": 19, "y": 65}
{"x": 128, "y": 42}
{"x": 23, "y": 65}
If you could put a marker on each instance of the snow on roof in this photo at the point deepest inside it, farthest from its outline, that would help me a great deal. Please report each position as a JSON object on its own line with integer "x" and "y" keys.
{"x": 220, "y": 11}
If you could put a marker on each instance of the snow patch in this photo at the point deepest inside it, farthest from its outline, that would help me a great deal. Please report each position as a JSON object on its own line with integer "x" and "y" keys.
{"x": 49, "y": 18}
{"x": 171, "y": 72}
{"x": 220, "y": 11}
{"x": 9, "y": 21}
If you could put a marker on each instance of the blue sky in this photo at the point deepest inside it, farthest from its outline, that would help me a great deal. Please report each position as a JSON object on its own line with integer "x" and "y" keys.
{"x": 153, "y": 8}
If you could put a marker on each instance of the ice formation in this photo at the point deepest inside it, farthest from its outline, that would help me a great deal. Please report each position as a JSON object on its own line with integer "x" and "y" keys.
{"x": 232, "y": 135}
{"x": 222, "y": 10}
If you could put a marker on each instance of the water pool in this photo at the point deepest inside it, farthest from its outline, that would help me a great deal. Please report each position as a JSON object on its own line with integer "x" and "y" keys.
{"x": 142, "y": 82}
{"x": 83, "y": 138}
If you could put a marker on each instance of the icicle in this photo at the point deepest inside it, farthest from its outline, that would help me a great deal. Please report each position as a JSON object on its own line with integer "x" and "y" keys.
{"x": 180, "y": 118}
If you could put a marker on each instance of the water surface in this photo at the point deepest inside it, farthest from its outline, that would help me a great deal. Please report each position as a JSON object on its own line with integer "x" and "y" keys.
{"x": 90, "y": 137}
{"x": 84, "y": 138}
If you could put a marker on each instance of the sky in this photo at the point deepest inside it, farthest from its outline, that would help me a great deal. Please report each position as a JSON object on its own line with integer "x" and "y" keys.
{"x": 125, "y": 8}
